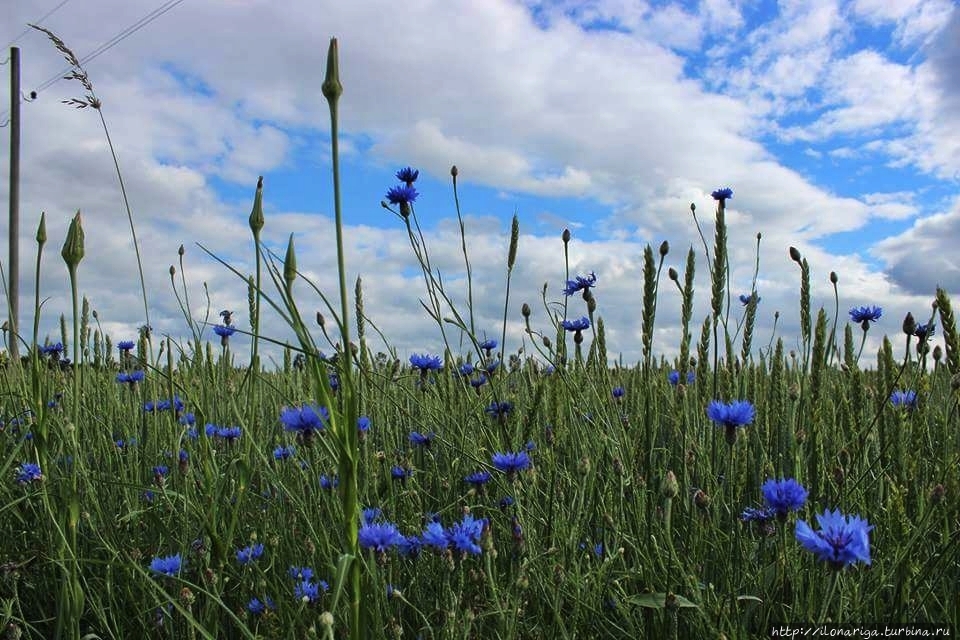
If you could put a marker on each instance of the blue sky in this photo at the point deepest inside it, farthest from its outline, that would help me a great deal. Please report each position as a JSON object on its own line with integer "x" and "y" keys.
{"x": 834, "y": 122}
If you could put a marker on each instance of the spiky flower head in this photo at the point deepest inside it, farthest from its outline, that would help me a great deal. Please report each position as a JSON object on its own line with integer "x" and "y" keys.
{"x": 784, "y": 495}
{"x": 720, "y": 195}
{"x": 841, "y": 541}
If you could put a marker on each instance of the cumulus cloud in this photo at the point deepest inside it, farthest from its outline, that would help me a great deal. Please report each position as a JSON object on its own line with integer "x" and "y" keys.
{"x": 225, "y": 91}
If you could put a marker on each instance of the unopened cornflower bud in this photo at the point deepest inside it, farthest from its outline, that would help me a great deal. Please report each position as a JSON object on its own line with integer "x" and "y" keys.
{"x": 565, "y": 236}
{"x": 181, "y": 251}
{"x": 701, "y": 499}
{"x": 669, "y": 487}
{"x": 290, "y": 264}
{"x": 173, "y": 271}
{"x": 664, "y": 248}
{"x": 546, "y": 342}
{"x": 672, "y": 274}
{"x": 937, "y": 494}
{"x": 525, "y": 310}
{"x": 320, "y": 320}
{"x": 584, "y": 466}
{"x": 42, "y": 229}
{"x": 256, "y": 220}
{"x": 833, "y": 277}
{"x": 72, "y": 251}
{"x": 909, "y": 324}
{"x": 795, "y": 254}
{"x": 937, "y": 353}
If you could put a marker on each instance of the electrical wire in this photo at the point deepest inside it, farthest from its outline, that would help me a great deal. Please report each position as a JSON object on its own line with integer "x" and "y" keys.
{"x": 38, "y": 21}
{"x": 109, "y": 44}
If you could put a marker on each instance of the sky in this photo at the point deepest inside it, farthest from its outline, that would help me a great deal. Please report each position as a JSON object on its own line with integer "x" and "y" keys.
{"x": 835, "y": 124}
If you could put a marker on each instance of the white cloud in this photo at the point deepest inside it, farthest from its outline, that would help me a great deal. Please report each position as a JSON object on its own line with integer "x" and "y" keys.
{"x": 536, "y": 110}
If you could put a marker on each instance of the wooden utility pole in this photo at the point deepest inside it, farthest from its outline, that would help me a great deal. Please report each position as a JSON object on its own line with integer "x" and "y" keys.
{"x": 13, "y": 273}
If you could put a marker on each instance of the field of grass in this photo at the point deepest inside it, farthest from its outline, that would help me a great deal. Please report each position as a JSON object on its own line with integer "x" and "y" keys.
{"x": 151, "y": 489}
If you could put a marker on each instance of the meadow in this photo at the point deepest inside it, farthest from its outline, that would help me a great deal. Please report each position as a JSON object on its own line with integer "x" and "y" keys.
{"x": 152, "y": 488}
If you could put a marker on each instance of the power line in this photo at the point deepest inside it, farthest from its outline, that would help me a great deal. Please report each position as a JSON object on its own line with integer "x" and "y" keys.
{"x": 109, "y": 44}
{"x": 112, "y": 42}
{"x": 38, "y": 21}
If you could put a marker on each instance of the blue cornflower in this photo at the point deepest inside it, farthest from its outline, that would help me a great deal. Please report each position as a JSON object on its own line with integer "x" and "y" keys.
{"x": 160, "y": 471}
{"x": 284, "y": 451}
{"x": 478, "y": 479}
{"x": 329, "y": 483}
{"x": 784, "y": 495}
{"x": 736, "y": 414}
{"x": 402, "y": 195}
{"x": 691, "y": 376}
{"x": 130, "y": 378}
{"x": 183, "y": 456}
{"x": 725, "y": 193}
{"x": 581, "y": 283}
{"x": 307, "y": 591}
{"x": 466, "y": 369}
{"x": 506, "y": 501}
{"x": 149, "y": 496}
{"x": 618, "y": 392}
{"x": 511, "y": 463}
{"x": 300, "y": 573}
{"x": 418, "y": 439}
{"x": 401, "y": 474}
{"x": 258, "y": 607}
{"x": 408, "y": 175}
{"x": 305, "y": 420}
{"x": 745, "y": 298}
{"x": 230, "y": 434}
{"x": 865, "y": 315}
{"x": 731, "y": 416}
{"x": 370, "y": 514}
{"x": 488, "y": 345}
{"x": 425, "y": 362}
{"x": 500, "y": 409}
{"x": 188, "y": 418}
{"x": 762, "y": 515}
{"x": 250, "y": 553}
{"x": 673, "y": 377}
{"x": 52, "y": 349}
{"x": 465, "y": 535}
{"x": 478, "y": 382}
{"x": 380, "y": 536}
{"x": 904, "y": 399}
{"x": 363, "y": 424}
{"x": 841, "y": 541}
{"x": 28, "y": 472}
{"x": 125, "y": 345}
{"x": 167, "y": 566}
{"x": 434, "y": 535}
{"x": 577, "y": 325}
{"x": 224, "y": 330}
{"x": 491, "y": 366}
{"x": 924, "y": 332}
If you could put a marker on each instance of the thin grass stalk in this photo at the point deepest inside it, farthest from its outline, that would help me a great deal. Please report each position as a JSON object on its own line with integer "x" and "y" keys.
{"x": 256, "y": 222}
{"x": 463, "y": 247}
{"x": 349, "y": 458}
